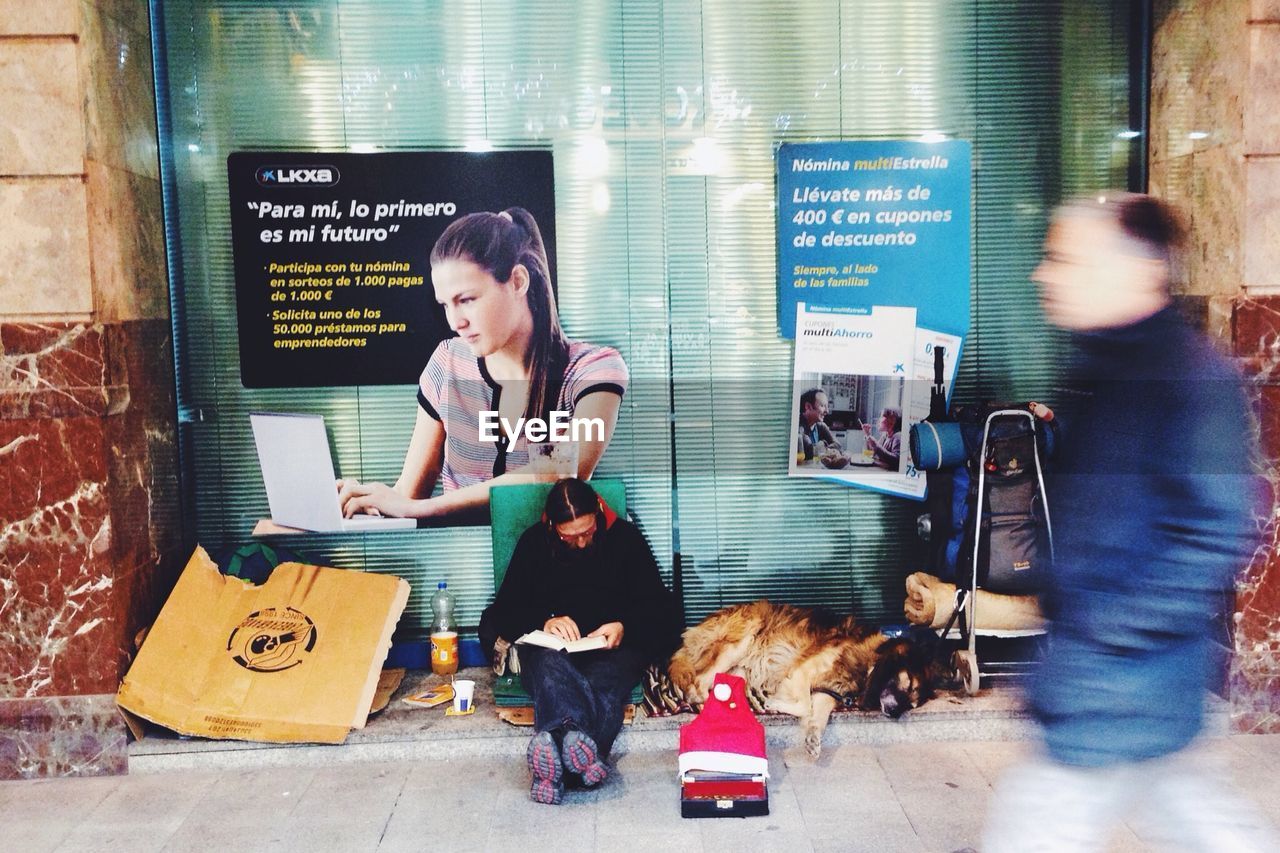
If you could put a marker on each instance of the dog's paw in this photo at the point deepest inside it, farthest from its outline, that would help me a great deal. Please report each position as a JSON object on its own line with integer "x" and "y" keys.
{"x": 813, "y": 744}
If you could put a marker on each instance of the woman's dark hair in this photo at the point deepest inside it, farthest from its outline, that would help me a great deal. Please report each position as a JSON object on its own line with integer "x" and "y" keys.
{"x": 496, "y": 242}
{"x": 571, "y": 498}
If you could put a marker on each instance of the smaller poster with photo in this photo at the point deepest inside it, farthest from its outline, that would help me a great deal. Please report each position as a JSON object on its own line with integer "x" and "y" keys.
{"x": 852, "y": 372}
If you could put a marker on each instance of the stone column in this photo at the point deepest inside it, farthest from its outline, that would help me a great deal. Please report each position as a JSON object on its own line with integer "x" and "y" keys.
{"x": 1256, "y": 674}
{"x": 89, "y": 522}
{"x": 1215, "y": 150}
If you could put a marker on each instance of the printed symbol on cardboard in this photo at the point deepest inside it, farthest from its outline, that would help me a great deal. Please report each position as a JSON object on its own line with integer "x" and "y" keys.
{"x": 272, "y": 639}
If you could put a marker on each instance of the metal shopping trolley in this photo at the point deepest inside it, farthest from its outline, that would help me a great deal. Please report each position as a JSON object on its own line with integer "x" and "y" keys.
{"x": 987, "y": 516}
{"x": 993, "y": 564}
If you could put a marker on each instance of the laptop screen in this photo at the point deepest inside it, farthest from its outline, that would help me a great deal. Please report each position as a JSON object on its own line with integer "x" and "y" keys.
{"x": 297, "y": 469}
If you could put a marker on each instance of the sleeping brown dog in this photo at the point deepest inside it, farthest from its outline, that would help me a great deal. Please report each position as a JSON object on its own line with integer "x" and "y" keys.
{"x": 803, "y": 663}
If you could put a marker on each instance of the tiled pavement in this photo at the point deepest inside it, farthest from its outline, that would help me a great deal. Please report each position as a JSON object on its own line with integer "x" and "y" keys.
{"x": 913, "y": 796}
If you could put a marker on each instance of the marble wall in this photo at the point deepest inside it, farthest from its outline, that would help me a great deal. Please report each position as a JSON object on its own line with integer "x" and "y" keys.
{"x": 1215, "y": 150}
{"x": 90, "y": 532}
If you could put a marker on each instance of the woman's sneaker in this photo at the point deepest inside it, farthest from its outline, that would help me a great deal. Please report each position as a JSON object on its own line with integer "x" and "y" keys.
{"x": 582, "y": 756}
{"x": 548, "y": 773}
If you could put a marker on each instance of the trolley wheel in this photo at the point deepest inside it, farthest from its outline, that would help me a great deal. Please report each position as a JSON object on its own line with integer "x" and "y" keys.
{"x": 966, "y": 667}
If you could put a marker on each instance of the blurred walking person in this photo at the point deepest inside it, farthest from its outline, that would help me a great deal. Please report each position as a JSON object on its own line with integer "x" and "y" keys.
{"x": 1153, "y": 514}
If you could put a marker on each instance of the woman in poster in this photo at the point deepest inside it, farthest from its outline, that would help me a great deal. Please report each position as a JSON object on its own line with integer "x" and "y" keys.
{"x": 510, "y": 360}
{"x": 888, "y": 447}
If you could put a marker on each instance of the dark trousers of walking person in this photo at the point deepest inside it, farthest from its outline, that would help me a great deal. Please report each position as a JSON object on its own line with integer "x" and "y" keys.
{"x": 587, "y": 691}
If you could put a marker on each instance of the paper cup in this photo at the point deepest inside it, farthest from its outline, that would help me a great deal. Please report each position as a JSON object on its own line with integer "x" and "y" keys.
{"x": 463, "y": 691}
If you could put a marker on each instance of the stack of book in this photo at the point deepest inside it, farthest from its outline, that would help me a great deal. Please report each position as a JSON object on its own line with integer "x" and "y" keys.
{"x": 724, "y": 771}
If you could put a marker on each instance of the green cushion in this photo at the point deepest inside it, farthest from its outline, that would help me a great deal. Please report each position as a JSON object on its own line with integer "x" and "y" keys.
{"x": 514, "y": 509}
{"x": 509, "y": 692}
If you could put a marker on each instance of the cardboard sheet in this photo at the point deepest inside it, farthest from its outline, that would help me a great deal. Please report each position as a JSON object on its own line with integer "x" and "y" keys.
{"x": 296, "y": 659}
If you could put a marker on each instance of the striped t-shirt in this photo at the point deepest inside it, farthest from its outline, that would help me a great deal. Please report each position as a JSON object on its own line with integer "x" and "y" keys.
{"x": 455, "y": 387}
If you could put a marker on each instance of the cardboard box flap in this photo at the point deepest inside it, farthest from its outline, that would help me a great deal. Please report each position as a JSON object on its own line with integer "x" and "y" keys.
{"x": 295, "y": 659}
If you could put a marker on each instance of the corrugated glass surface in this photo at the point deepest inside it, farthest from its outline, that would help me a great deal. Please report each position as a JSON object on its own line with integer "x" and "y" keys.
{"x": 663, "y": 119}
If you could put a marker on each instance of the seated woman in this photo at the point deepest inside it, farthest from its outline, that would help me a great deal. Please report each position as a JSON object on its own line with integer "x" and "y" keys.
{"x": 581, "y": 572}
{"x": 490, "y": 272}
{"x": 888, "y": 447}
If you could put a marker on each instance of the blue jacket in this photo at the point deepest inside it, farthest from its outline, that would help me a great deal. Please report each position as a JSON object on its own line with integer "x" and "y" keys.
{"x": 1152, "y": 517}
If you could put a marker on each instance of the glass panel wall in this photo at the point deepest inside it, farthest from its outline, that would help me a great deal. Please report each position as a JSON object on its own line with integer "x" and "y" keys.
{"x": 662, "y": 118}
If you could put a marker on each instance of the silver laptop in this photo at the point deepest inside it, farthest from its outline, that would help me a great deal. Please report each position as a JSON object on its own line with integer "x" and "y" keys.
{"x": 293, "y": 452}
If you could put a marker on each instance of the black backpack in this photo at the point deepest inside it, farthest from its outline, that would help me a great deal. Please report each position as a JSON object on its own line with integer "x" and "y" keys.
{"x": 994, "y": 500}
{"x": 1013, "y": 535}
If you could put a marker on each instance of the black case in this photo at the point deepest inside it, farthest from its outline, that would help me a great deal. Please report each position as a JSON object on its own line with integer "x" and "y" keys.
{"x": 740, "y": 806}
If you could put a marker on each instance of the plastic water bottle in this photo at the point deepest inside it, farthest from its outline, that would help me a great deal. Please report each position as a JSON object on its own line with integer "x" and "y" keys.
{"x": 444, "y": 638}
{"x": 442, "y": 608}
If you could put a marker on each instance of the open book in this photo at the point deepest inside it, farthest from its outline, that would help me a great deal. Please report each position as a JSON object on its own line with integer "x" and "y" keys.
{"x": 551, "y": 641}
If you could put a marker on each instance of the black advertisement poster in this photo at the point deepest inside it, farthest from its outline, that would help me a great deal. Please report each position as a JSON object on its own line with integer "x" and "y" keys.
{"x": 333, "y": 284}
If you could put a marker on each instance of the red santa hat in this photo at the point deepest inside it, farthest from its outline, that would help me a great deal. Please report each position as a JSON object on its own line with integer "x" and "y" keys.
{"x": 726, "y": 737}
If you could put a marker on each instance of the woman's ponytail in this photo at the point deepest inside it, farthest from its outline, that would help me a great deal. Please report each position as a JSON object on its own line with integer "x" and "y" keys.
{"x": 548, "y": 350}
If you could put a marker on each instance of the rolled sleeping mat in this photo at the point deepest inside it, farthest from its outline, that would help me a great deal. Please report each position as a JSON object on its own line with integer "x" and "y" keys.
{"x": 937, "y": 446}
{"x": 931, "y": 601}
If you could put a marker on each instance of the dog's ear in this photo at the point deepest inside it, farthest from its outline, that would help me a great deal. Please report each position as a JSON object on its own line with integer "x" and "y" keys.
{"x": 893, "y": 648}
{"x": 889, "y": 660}
{"x": 924, "y": 662}
{"x": 880, "y": 673}
{"x": 919, "y": 656}
{"x": 925, "y": 639}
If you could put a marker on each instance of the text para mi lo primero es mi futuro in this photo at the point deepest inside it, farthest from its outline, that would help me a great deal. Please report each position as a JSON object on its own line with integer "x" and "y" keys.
{"x": 562, "y": 426}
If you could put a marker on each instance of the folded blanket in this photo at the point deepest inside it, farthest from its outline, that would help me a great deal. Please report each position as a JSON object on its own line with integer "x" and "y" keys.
{"x": 930, "y": 602}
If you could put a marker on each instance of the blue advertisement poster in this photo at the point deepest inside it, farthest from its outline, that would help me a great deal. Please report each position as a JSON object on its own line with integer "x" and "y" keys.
{"x": 875, "y": 223}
